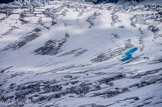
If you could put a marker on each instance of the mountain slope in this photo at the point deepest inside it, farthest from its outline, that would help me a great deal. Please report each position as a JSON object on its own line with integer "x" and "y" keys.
{"x": 67, "y": 54}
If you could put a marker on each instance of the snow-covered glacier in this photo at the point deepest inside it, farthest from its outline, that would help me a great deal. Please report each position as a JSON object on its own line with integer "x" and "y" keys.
{"x": 67, "y": 54}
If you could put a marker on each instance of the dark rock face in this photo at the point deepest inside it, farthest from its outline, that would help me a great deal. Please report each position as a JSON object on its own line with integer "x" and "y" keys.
{"x": 100, "y": 58}
{"x": 110, "y": 1}
{"x": 6, "y": 1}
{"x": 102, "y": 1}
{"x": 54, "y": 88}
{"x": 153, "y": 29}
{"x": 51, "y": 47}
{"x": 135, "y": 0}
{"x": 22, "y": 42}
{"x": 106, "y": 1}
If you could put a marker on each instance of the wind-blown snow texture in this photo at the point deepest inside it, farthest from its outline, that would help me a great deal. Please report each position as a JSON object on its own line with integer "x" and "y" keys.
{"x": 67, "y": 54}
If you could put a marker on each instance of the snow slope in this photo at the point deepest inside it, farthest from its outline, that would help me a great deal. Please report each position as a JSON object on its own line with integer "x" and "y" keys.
{"x": 67, "y": 54}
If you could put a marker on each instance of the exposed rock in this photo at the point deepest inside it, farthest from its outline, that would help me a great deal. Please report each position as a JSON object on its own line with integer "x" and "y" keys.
{"x": 51, "y": 47}
{"x": 22, "y": 42}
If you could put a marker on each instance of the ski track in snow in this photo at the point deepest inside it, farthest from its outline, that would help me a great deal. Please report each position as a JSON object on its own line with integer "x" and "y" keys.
{"x": 67, "y": 54}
